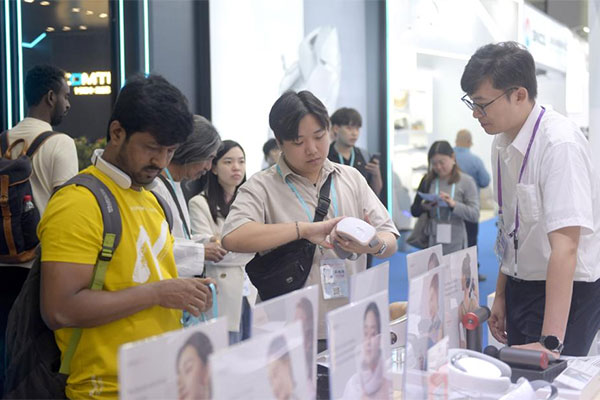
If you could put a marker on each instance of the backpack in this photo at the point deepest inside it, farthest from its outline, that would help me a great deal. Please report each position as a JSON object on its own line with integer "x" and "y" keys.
{"x": 18, "y": 238}
{"x": 33, "y": 360}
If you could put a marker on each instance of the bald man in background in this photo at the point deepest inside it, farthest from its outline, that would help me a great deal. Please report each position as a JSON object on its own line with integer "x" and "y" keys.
{"x": 472, "y": 165}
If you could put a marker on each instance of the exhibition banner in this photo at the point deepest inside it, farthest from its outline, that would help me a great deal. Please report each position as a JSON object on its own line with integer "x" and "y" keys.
{"x": 174, "y": 365}
{"x": 299, "y": 305}
{"x": 359, "y": 347}
{"x": 268, "y": 366}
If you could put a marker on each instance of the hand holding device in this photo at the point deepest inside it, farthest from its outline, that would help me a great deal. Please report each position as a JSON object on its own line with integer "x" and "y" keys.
{"x": 354, "y": 230}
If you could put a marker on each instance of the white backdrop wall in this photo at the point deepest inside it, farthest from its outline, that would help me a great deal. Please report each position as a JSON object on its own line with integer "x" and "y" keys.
{"x": 249, "y": 41}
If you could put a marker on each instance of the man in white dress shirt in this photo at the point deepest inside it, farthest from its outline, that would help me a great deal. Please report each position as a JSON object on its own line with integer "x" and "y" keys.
{"x": 549, "y": 208}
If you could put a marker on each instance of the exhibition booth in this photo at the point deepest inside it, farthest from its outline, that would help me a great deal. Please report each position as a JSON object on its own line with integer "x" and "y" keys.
{"x": 246, "y": 55}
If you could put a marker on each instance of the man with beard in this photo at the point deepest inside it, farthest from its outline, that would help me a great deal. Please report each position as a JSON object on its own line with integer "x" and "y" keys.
{"x": 142, "y": 294}
{"x": 55, "y": 162}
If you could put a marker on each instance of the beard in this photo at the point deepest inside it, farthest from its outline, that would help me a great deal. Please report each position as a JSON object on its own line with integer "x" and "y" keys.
{"x": 140, "y": 177}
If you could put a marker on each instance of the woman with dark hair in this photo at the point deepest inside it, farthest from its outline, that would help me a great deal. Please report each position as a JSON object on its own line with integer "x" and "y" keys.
{"x": 457, "y": 199}
{"x": 208, "y": 211}
{"x": 190, "y": 161}
{"x": 193, "y": 371}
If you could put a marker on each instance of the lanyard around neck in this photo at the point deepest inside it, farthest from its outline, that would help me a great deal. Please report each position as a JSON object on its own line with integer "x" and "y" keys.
{"x": 523, "y": 165}
{"x": 172, "y": 181}
{"x": 437, "y": 191}
{"x": 352, "y": 156}
{"x": 301, "y": 199}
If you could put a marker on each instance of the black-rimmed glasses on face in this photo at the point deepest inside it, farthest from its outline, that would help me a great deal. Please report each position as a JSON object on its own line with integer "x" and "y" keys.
{"x": 481, "y": 107}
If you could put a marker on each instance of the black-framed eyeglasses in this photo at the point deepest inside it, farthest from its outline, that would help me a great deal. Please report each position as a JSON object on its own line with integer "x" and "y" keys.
{"x": 481, "y": 107}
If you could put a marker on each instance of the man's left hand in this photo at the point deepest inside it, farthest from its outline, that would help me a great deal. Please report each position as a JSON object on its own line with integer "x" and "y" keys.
{"x": 553, "y": 355}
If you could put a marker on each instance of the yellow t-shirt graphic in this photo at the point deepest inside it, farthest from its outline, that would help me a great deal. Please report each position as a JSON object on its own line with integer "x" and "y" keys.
{"x": 71, "y": 232}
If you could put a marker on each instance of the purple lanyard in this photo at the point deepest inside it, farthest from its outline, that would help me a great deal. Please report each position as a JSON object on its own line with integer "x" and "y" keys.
{"x": 535, "y": 129}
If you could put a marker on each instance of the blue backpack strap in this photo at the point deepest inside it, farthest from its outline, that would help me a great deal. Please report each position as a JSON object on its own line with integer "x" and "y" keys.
{"x": 111, "y": 219}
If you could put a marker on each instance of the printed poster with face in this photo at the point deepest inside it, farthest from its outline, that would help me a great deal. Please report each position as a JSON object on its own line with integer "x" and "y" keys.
{"x": 172, "y": 366}
{"x": 369, "y": 282}
{"x": 268, "y": 366}
{"x": 421, "y": 261}
{"x": 299, "y": 305}
{"x": 462, "y": 294}
{"x": 425, "y": 327}
{"x": 359, "y": 347}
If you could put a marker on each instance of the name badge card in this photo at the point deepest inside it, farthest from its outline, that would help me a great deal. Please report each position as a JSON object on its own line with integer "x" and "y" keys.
{"x": 334, "y": 279}
{"x": 444, "y": 233}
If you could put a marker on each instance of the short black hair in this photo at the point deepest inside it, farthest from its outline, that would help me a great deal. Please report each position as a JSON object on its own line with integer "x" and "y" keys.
{"x": 506, "y": 64}
{"x": 290, "y": 108}
{"x": 40, "y": 80}
{"x": 269, "y": 145}
{"x": 346, "y": 117}
{"x": 151, "y": 104}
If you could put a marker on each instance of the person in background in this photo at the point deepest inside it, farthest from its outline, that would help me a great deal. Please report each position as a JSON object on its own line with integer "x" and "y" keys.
{"x": 208, "y": 211}
{"x": 191, "y": 160}
{"x": 345, "y": 126}
{"x": 472, "y": 165}
{"x": 271, "y": 152}
{"x": 54, "y": 163}
{"x": 548, "y": 193}
{"x": 277, "y": 206}
{"x": 456, "y": 189}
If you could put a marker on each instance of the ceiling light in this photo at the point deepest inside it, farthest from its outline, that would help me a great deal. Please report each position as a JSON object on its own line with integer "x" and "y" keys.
{"x": 75, "y": 9}
{"x": 89, "y": 12}
{"x": 66, "y": 28}
{"x": 50, "y": 29}
{"x": 83, "y": 27}
{"x": 28, "y": 1}
{"x": 44, "y": 3}
{"x": 103, "y": 15}
{"x": 586, "y": 29}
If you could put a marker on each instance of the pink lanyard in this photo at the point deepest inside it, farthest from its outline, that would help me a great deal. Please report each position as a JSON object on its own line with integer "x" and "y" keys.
{"x": 513, "y": 234}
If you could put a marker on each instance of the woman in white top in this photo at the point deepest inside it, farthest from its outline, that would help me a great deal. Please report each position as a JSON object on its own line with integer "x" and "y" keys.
{"x": 208, "y": 211}
{"x": 191, "y": 160}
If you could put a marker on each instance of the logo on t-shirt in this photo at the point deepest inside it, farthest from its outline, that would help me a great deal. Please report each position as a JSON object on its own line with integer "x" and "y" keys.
{"x": 147, "y": 254}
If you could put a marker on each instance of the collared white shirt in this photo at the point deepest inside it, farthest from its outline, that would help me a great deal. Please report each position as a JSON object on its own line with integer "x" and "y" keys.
{"x": 559, "y": 188}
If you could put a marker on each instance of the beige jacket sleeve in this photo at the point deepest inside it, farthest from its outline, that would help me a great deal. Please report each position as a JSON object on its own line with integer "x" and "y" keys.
{"x": 200, "y": 218}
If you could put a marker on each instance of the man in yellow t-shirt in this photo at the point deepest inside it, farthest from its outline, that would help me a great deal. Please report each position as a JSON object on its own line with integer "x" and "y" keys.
{"x": 142, "y": 295}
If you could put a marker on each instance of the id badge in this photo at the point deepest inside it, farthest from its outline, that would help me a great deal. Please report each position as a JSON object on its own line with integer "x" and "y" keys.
{"x": 444, "y": 233}
{"x": 501, "y": 246}
{"x": 334, "y": 279}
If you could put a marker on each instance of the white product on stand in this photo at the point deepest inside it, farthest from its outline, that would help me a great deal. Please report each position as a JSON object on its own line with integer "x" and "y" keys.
{"x": 477, "y": 375}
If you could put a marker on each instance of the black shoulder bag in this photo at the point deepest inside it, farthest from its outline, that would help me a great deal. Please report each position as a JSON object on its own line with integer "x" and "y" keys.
{"x": 286, "y": 268}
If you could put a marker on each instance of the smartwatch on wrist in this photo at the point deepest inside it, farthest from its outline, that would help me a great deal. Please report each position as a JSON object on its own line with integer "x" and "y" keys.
{"x": 381, "y": 250}
{"x": 552, "y": 343}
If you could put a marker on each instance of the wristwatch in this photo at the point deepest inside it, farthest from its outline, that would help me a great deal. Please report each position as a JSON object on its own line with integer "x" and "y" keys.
{"x": 381, "y": 250}
{"x": 552, "y": 343}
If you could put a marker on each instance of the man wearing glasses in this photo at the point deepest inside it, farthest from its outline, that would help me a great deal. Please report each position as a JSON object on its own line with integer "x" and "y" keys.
{"x": 548, "y": 195}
